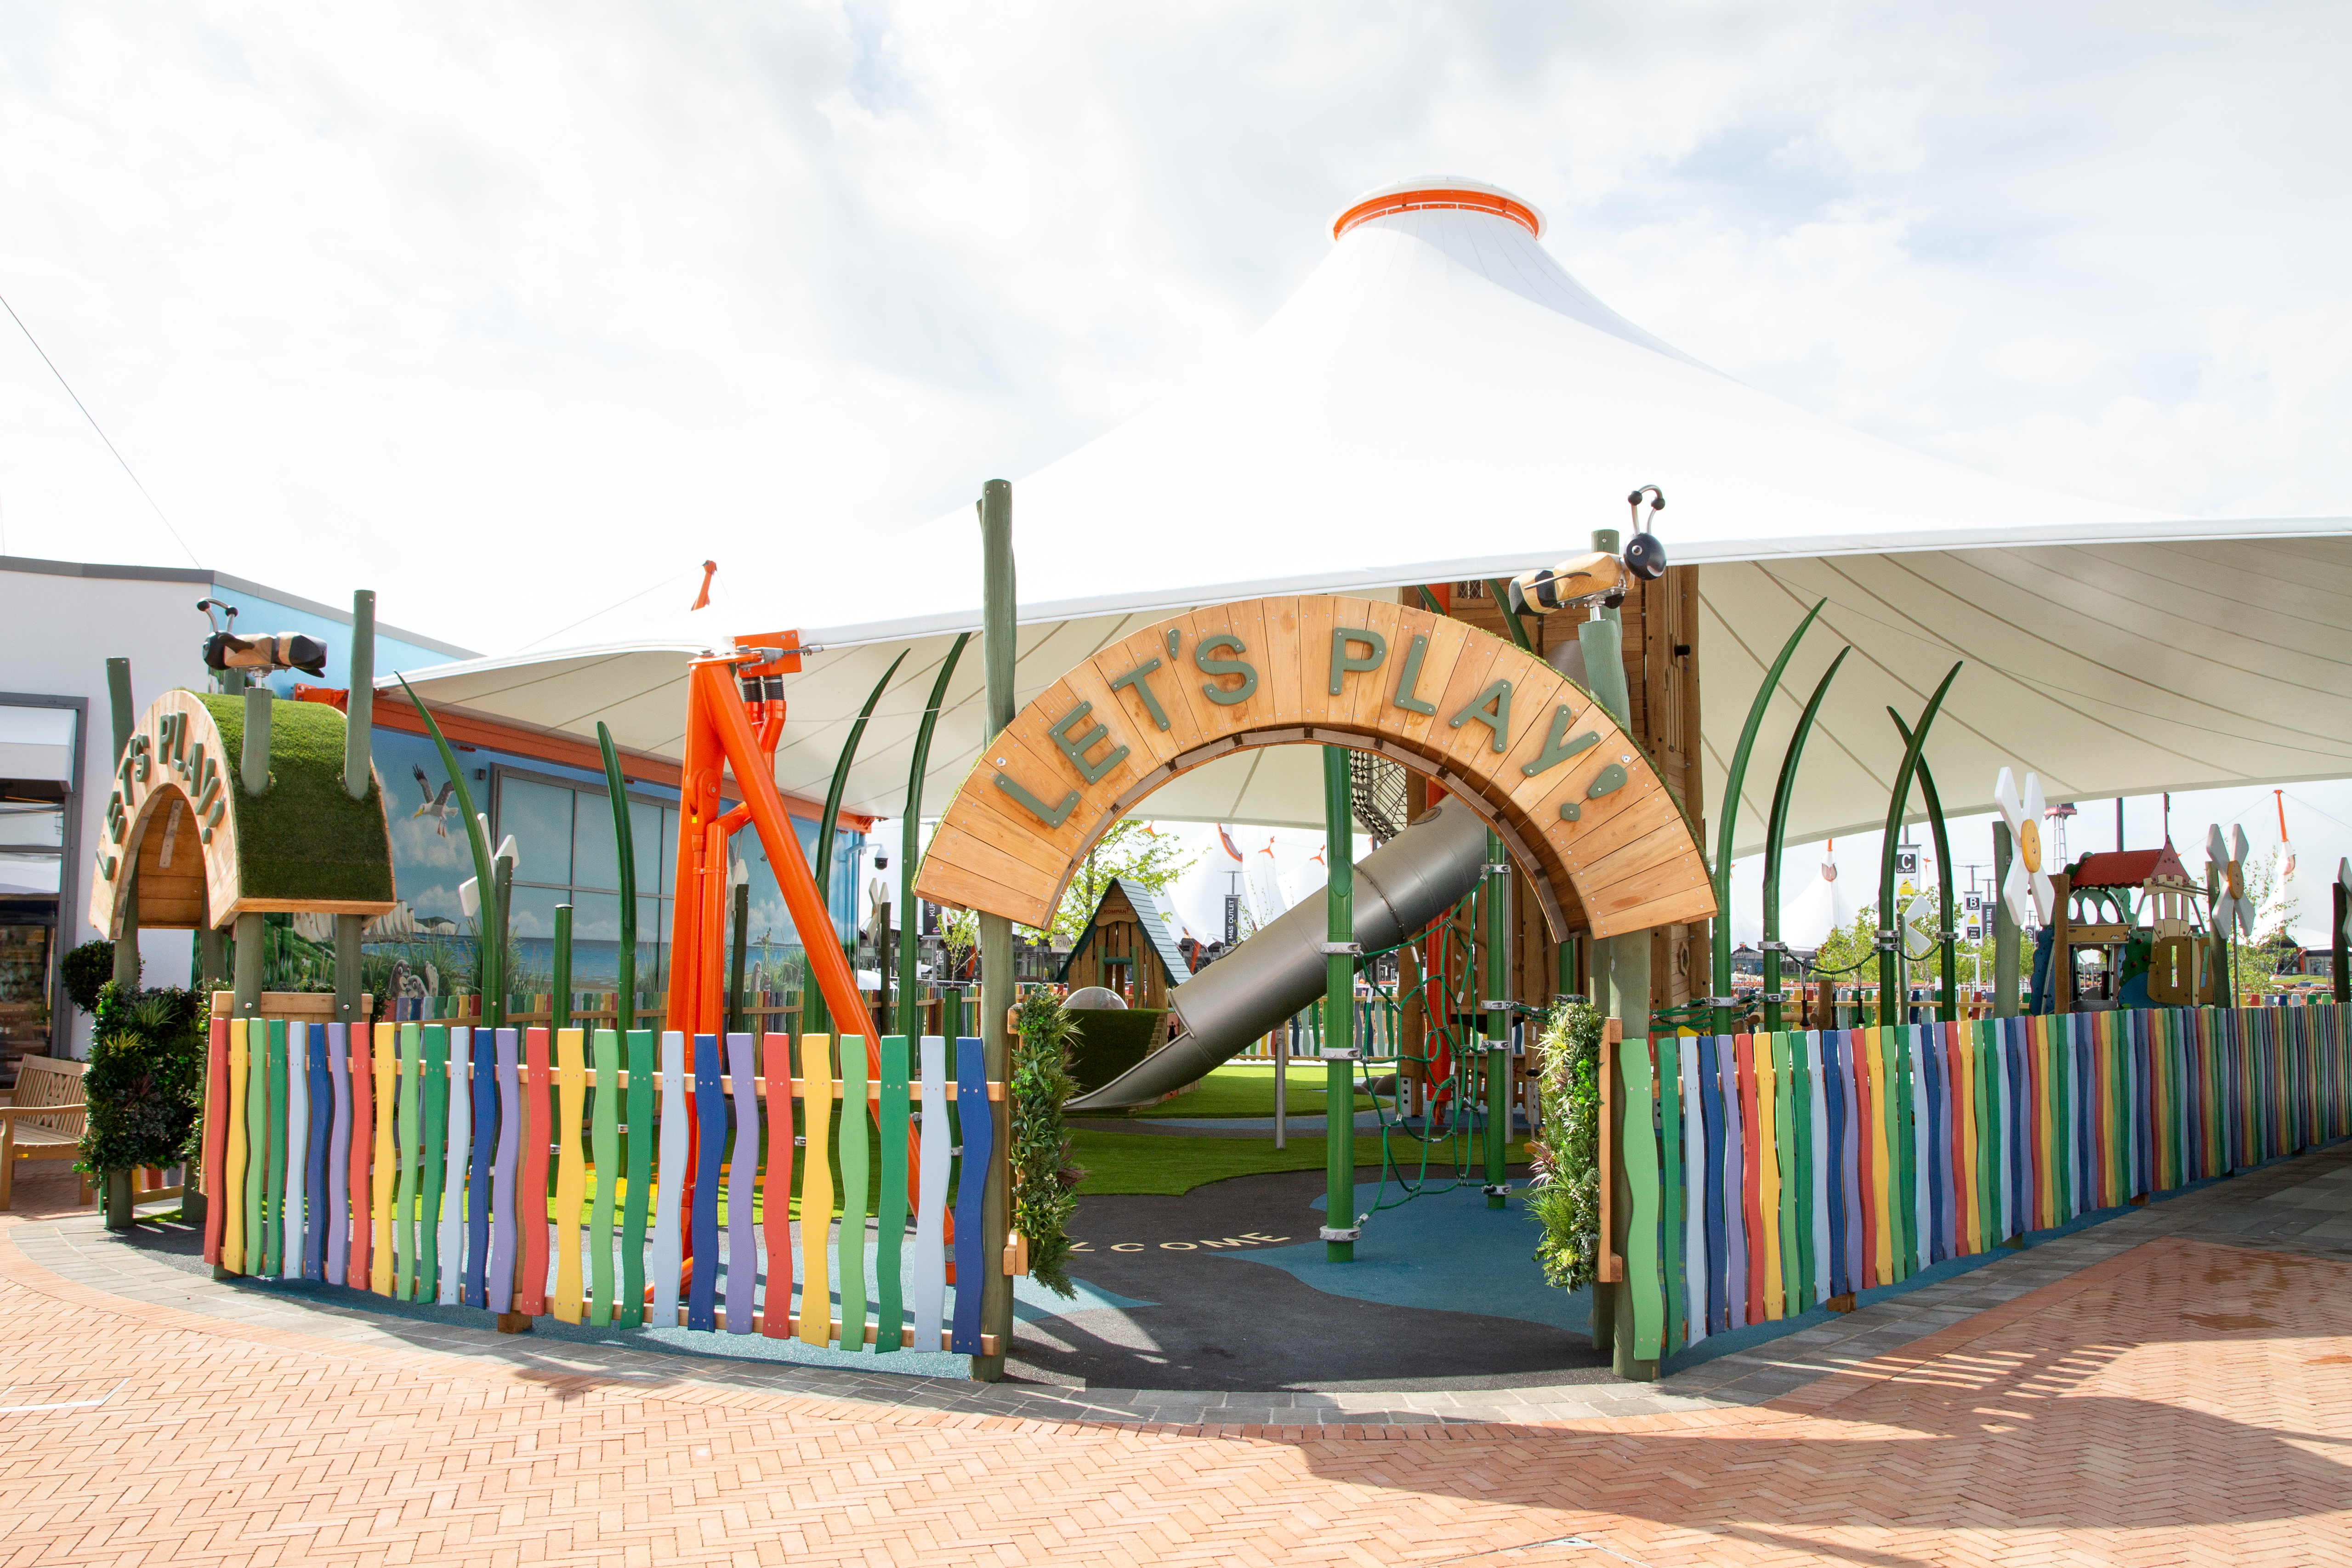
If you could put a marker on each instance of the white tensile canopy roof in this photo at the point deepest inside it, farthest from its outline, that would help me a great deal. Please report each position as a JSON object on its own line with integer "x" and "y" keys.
{"x": 1442, "y": 401}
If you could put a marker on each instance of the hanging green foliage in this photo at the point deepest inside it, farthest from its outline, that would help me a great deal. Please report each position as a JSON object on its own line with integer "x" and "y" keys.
{"x": 145, "y": 1082}
{"x": 1565, "y": 1194}
{"x": 1045, "y": 1182}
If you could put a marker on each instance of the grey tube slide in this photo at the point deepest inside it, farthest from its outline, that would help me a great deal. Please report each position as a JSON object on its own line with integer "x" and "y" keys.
{"x": 1399, "y": 887}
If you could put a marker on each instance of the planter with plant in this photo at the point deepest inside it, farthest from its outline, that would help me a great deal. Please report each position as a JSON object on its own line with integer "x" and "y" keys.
{"x": 1045, "y": 1182}
{"x": 1565, "y": 1194}
{"x": 144, "y": 1089}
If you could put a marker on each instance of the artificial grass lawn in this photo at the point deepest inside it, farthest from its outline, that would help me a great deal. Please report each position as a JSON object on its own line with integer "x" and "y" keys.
{"x": 1153, "y": 1163}
{"x": 1240, "y": 1089}
{"x": 1119, "y": 1162}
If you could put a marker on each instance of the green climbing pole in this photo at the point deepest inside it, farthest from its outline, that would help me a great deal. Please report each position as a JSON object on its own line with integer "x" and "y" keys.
{"x": 1340, "y": 1230}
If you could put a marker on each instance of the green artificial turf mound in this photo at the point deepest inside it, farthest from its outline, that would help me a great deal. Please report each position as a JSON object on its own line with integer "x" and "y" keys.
{"x": 1247, "y": 1089}
{"x": 305, "y": 839}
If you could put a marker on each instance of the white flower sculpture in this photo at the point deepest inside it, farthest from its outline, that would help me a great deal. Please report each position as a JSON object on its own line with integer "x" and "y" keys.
{"x": 2233, "y": 910}
{"x": 2028, "y": 891}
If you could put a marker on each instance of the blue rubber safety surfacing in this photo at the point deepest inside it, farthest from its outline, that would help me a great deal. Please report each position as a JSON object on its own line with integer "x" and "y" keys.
{"x": 1444, "y": 1252}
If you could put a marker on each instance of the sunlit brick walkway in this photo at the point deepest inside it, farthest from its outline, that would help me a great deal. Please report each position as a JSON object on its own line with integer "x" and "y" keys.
{"x": 2181, "y": 1401}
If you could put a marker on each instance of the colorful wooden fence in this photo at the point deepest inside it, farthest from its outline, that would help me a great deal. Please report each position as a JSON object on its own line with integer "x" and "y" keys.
{"x": 1786, "y": 1168}
{"x": 454, "y": 1164}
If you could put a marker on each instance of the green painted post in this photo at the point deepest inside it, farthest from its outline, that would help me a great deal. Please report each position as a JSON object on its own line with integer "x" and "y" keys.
{"x": 252, "y": 940}
{"x": 1629, "y": 985}
{"x": 1601, "y": 640}
{"x": 492, "y": 918}
{"x": 2341, "y": 904}
{"x": 1776, "y": 834}
{"x": 559, "y": 1004}
{"x": 126, "y": 937}
{"x": 617, "y": 792}
{"x": 1339, "y": 1228}
{"x": 997, "y": 648}
{"x": 1947, "y": 996}
{"x": 2006, "y": 937}
{"x": 499, "y": 901}
{"x": 816, "y": 1018}
{"x": 910, "y": 846}
{"x": 253, "y": 768}
{"x": 359, "y": 774}
{"x": 1734, "y": 786}
{"x": 2224, "y": 988}
{"x": 1497, "y": 1008}
{"x": 742, "y": 896}
{"x": 118, "y": 1207}
{"x": 1890, "y": 918}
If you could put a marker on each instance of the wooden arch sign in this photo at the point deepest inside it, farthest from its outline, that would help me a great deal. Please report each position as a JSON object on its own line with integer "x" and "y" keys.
{"x": 204, "y": 851}
{"x": 1524, "y": 746}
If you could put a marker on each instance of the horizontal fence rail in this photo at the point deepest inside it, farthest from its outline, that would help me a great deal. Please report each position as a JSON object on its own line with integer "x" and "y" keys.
{"x": 1786, "y": 1169}
{"x": 448, "y": 1163}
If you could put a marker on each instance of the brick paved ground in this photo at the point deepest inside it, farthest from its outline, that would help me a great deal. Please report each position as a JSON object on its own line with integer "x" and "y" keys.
{"x": 2181, "y": 1400}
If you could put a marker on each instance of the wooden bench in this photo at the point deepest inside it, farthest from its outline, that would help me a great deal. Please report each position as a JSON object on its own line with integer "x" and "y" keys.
{"x": 43, "y": 1121}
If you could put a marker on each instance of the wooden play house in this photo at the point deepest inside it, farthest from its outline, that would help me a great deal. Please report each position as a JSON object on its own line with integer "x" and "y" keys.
{"x": 1131, "y": 945}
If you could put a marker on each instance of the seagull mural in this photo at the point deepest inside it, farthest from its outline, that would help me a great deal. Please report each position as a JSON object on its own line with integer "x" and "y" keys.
{"x": 440, "y": 807}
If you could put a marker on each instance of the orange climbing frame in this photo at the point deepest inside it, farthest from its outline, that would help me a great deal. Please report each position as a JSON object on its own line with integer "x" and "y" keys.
{"x": 734, "y": 717}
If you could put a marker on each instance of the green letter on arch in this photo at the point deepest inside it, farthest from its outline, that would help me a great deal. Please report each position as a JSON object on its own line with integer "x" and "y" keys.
{"x": 1491, "y": 707}
{"x": 1342, "y": 664}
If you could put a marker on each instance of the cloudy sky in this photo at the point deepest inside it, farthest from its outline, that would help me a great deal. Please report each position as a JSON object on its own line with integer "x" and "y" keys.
{"x": 516, "y": 311}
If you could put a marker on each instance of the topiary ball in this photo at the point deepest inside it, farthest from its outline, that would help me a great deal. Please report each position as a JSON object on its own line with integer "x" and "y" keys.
{"x": 85, "y": 970}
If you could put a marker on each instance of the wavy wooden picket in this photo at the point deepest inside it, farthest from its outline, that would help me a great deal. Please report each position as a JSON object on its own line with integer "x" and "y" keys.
{"x": 1799, "y": 1166}
{"x": 417, "y": 1160}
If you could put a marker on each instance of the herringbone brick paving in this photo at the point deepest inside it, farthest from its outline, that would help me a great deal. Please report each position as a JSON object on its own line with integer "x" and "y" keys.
{"x": 2180, "y": 1403}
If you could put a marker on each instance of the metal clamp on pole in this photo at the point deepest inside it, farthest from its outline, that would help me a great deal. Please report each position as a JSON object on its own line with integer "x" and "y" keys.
{"x": 1343, "y": 949}
{"x": 1497, "y": 867}
{"x": 1500, "y": 1189}
{"x": 1332, "y": 1233}
{"x": 1340, "y": 1054}
{"x": 1495, "y": 1005}
{"x": 1774, "y": 946}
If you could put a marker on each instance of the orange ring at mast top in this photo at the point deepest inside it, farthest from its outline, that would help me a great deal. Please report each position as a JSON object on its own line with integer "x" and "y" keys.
{"x": 1417, "y": 195}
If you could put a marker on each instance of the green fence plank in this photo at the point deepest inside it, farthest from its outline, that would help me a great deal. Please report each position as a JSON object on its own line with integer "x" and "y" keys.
{"x": 435, "y": 1096}
{"x": 257, "y": 1143}
{"x": 403, "y": 1212}
{"x": 607, "y": 1149}
{"x": 645, "y": 1135}
{"x": 1641, "y": 1157}
{"x": 890, "y": 1226}
{"x": 273, "y": 1192}
{"x": 849, "y": 1265}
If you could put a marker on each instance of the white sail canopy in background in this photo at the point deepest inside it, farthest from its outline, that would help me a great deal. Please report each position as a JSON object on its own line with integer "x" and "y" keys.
{"x": 1440, "y": 401}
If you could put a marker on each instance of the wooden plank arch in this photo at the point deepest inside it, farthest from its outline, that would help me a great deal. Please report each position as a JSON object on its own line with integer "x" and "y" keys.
{"x": 1527, "y": 748}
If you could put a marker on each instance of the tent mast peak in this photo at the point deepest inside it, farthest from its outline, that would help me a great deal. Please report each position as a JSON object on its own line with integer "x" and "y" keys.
{"x": 1437, "y": 191}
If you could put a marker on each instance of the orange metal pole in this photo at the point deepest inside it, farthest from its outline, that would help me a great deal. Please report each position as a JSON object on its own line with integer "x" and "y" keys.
{"x": 718, "y": 726}
{"x": 713, "y": 703}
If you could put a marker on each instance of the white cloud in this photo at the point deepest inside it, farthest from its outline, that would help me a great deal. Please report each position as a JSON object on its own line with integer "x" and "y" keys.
{"x": 510, "y": 310}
